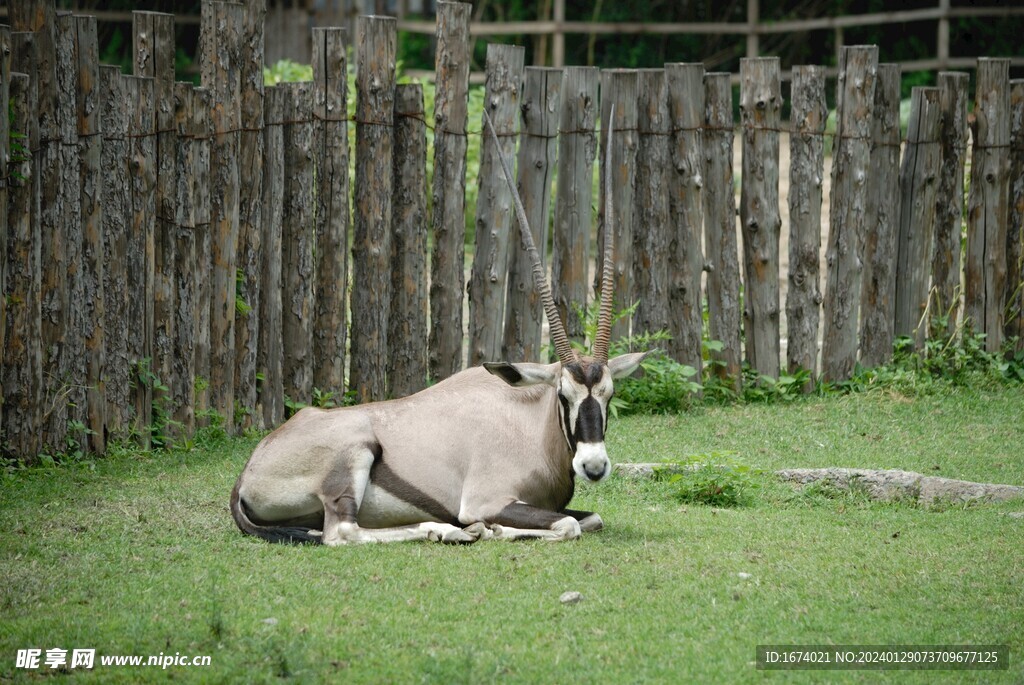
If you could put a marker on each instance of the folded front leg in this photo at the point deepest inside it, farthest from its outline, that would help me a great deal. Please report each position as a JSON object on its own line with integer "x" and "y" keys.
{"x": 519, "y": 521}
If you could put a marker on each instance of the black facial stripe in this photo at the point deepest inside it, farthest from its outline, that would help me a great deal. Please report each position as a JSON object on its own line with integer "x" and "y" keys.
{"x": 566, "y": 429}
{"x": 590, "y": 421}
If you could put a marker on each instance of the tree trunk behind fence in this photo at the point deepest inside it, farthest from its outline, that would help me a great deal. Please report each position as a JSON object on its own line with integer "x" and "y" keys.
{"x": 618, "y": 87}
{"x": 949, "y": 210}
{"x": 878, "y": 296}
{"x": 220, "y": 41}
{"x": 330, "y": 94}
{"x": 541, "y": 107}
{"x": 577, "y": 146}
{"x": 117, "y": 214}
{"x": 154, "y": 57}
{"x": 1014, "y": 307}
{"x": 407, "y": 326}
{"x": 183, "y": 376}
{"x": 371, "y": 249}
{"x": 722, "y": 254}
{"x": 90, "y": 146}
{"x": 988, "y": 203}
{"x": 919, "y": 181}
{"x": 448, "y": 223}
{"x": 686, "y": 257}
{"x": 760, "y": 108}
{"x": 494, "y": 205}
{"x": 142, "y": 170}
{"x": 849, "y": 210}
{"x": 202, "y": 109}
{"x": 23, "y": 369}
{"x": 270, "y": 363}
{"x": 651, "y": 234}
{"x": 250, "y": 203}
{"x": 297, "y": 240}
{"x": 806, "y": 172}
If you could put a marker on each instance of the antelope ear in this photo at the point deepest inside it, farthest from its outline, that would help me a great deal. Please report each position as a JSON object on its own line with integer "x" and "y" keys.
{"x": 626, "y": 364}
{"x": 522, "y": 375}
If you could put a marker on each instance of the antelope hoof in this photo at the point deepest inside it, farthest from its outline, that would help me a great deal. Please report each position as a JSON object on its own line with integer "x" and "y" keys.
{"x": 591, "y": 523}
{"x": 462, "y": 536}
{"x": 567, "y": 529}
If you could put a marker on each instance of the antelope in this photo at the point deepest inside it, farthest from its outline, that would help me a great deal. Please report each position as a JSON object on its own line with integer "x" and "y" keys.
{"x": 491, "y": 452}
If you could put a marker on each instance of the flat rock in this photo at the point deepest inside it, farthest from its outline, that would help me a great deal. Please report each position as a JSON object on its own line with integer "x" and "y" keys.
{"x": 646, "y": 469}
{"x": 892, "y": 484}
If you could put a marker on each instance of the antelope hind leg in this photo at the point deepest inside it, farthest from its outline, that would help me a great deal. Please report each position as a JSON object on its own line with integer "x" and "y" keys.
{"x": 342, "y": 493}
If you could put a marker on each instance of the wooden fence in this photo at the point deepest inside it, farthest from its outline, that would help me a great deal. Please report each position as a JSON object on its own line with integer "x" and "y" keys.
{"x": 176, "y": 254}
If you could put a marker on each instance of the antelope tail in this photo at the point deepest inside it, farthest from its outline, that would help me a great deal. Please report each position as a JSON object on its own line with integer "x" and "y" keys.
{"x": 285, "y": 534}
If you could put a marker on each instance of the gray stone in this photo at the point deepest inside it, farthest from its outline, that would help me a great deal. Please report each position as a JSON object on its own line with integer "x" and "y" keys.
{"x": 894, "y": 484}
{"x": 570, "y": 597}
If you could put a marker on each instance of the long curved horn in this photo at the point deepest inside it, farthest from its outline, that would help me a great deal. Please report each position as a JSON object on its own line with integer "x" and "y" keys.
{"x": 566, "y": 354}
{"x": 602, "y": 339}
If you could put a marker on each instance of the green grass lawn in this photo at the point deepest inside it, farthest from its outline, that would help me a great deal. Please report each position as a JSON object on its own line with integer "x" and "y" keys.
{"x": 139, "y": 555}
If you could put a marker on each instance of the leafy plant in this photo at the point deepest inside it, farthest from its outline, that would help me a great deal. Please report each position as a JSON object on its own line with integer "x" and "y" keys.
{"x": 322, "y": 399}
{"x": 717, "y": 479}
{"x": 162, "y": 427}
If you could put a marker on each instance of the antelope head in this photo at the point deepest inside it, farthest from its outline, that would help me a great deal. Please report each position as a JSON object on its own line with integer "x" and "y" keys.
{"x": 584, "y": 383}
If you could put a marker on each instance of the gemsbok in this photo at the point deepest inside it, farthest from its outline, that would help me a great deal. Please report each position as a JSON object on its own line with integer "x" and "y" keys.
{"x": 490, "y": 452}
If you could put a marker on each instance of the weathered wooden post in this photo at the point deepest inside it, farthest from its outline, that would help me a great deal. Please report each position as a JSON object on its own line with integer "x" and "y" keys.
{"x": 153, "y": 50}
{"x": 949, "y": 211}
{"x": 988, "y": 203}
{"x": 23, "y": 360}
{"x": 63, "y": 354}
{"x": 541, "y": 107}
{"x": 202, "y": 106}
{"x": 919, "y": 176}
{"x": 570, "y": 241}
{"x": 250, "y": 206}
{"x": 1015, "y": 230}
{"x": 448, "y": 222}
{"x": 848, "y": 212}
{"x": 686, "y": 257}
{"x": 878, "y": 296}
{"x": 760, "y": 114}
{"x": 5, "y": 136}
{"x": 619, "y": 87}
{"x": 722, "y": 252}
{"x": 330, "y": 94}
{"x": 117, "y": 213}
{"x": 183, "y": 376}
{"x": 371, "y": 249}
{"x": 489, "y": 274}
{"x": 139, "y": 247}
{"x": 271, "y": 352}
{"x": 806, "y": 174}
{"x": 407, "y": 327}
{"x": 220, "y": 38}
{"x": 297, "y": 239}
{"x": 651, "y": 235}
{"x": 90, "y": 146}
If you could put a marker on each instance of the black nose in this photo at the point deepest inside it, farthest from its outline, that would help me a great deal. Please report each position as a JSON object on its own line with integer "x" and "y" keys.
{"x": 593, "y": 474}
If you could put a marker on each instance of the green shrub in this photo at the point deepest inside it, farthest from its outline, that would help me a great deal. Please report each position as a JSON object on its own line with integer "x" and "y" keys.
{"x": 716, "y": 479}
